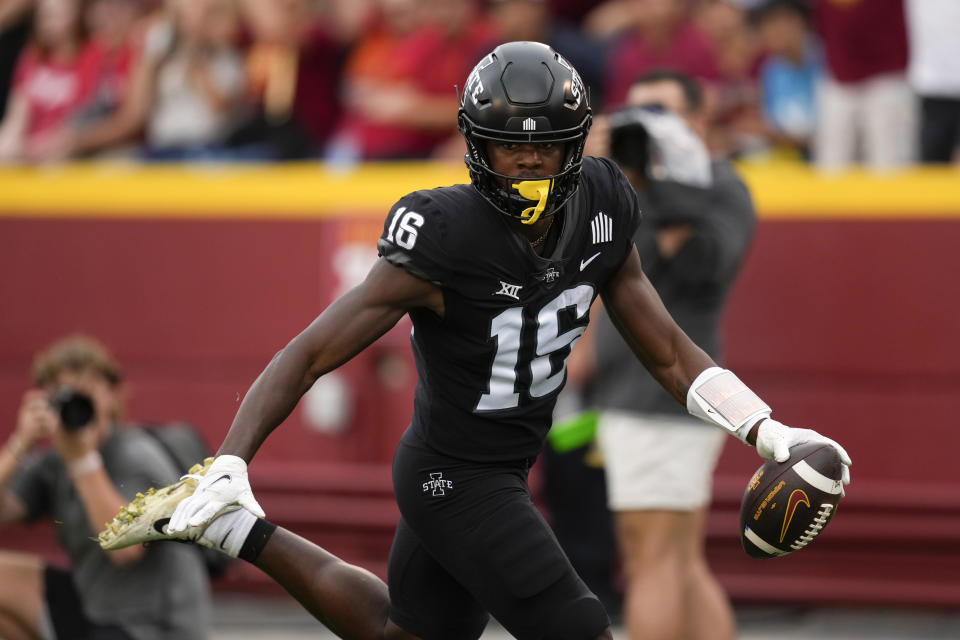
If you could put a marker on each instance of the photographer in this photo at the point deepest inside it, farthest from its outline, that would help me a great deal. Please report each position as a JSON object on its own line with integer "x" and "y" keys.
{"x": 697, "y": 222}
{"x": 94, "y": 468}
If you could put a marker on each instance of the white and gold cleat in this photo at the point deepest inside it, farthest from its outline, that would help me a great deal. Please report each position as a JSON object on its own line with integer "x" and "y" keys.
{"x": 145, "y": 519}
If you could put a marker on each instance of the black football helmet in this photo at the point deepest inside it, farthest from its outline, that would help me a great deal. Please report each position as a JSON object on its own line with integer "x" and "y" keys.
{"x": 524, "y": 92}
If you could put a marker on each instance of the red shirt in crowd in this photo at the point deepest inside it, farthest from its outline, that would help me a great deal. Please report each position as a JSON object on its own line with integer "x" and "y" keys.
{"x": 862, "y": 38}
{"x": 111, "y": 75}
{"x": 433, "y": 63}
{"x": 689, "y": 51}
{"x": 54, "y": 89}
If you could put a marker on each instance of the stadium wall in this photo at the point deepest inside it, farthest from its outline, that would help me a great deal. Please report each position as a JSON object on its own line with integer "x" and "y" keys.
{"x": 845, "y": 319}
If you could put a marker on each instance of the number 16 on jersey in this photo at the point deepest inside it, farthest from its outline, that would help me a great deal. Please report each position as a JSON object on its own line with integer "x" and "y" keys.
{"x": 406, "y": 234}
{"x": 507, "y": 329}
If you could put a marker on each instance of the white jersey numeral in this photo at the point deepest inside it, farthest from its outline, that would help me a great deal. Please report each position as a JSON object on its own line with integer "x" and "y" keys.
{"x": 507, "y": 330}
{"x": 550, "y": 340}
{"x": 409, "y": 221}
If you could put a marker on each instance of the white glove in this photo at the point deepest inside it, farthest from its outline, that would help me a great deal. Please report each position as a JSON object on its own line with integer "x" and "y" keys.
{"x": 224, "y": 484}
{"x": 774, "y": 440}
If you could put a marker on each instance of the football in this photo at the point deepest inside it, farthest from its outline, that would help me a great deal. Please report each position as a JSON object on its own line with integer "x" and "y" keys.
{"x": 788, "y": 504}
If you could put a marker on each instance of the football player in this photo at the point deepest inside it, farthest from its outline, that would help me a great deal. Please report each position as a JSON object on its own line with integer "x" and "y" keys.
{"x": 497, "y": 277}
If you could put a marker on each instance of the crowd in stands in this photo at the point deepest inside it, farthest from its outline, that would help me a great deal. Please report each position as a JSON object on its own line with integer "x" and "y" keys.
{"x": 833, "y": 82}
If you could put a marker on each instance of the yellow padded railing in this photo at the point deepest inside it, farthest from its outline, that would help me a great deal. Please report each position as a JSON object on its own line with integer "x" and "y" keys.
{"x": 310, "y": 190}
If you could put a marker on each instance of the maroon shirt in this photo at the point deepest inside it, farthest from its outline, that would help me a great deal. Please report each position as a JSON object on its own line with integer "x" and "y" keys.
{"x": 316, "y": 103}
{"x": 689, "y": 51}
{"x": 862, "y": 38}
{"x": 572, "y": 10}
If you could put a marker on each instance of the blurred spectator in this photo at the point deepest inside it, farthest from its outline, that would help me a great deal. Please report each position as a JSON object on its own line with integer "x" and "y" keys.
{"x": 405, "y": 106}
{"x": 293, "y": 77}
{"x": 866, "y": 109}
{"x": 95, "y": 467}
{"x": 184, "y": 93}
{"x": 369, "y": 66}
{"x": 113, "y": 43}
{"x": 123, "y": 127}
{"x": 199, "y": 84}
{"x": 664, "y": 36}
{"x": 571, "y": 11}
{"x": 389, "y": 24}
{"x": 15, "y": 17}
{"x": 54, "y": 75}
{"x": 736, "y": 126}
{"x": 934, "y": 28}
{"x": 532, "y": 20}
{"x": 346, "y": 20}
{"x": 789, "y": 76}
{"x": 612, "y": 18}
{"x": 112, "y": 25}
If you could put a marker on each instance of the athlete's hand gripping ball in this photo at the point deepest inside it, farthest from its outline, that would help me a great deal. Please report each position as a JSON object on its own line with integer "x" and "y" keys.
{"x": 224, "y": 484}
{"x": 717, "y": 396}
{"x": 774, "y": 440}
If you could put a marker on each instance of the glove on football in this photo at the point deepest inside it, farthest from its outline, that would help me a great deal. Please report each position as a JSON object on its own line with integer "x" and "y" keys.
{"x": 224, "y": 484}
{"x": 774, "y": 440}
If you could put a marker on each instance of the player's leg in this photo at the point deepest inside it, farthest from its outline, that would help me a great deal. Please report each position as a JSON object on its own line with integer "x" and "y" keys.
{"x": 424, "y": 598}
{"x": 519, "y": 572}
{"x": 349, "y": 600}
{"x": 21, "y": 595}
{"x": 479, "y": 523}
{"x": 513, "y": 565}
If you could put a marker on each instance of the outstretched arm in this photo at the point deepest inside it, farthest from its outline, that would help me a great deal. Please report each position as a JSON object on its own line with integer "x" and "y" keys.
{"x": 719, "y": 397}
{"x": 663, "y": 348}
{"x": 343, "y": 330}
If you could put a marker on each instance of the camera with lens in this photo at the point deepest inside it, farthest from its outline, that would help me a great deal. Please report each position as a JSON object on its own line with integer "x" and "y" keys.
{"x": 629, "y": 138}
{"x": 659, "y": 145}
{"x": 75, "y": 408}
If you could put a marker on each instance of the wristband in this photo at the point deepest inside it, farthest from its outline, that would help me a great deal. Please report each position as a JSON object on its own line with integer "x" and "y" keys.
{"x": 87, "y": 464}
{"x": 719, "y": 397}
{"x": 256, "y": 540}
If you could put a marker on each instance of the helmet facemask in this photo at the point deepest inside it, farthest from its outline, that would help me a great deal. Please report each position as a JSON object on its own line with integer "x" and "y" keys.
{"x": 524, "y": 93}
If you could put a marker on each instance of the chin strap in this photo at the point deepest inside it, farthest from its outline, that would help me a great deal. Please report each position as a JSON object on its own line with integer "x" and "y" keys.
{"x": 538, "y": 190}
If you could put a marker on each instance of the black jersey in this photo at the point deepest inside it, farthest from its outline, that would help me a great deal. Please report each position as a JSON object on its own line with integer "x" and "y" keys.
{"x": 490, "y": 370}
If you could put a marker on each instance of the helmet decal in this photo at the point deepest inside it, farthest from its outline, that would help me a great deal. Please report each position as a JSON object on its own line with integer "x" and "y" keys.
{"x": 474, "y": 85}
{"x": 577, "y": 92}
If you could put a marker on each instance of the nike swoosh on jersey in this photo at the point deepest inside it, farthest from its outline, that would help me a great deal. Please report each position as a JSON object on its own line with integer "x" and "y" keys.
{"x": 584, "y": 263}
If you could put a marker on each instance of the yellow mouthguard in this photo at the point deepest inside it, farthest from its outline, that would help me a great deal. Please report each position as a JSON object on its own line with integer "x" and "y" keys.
{"x": 533, "y": 190}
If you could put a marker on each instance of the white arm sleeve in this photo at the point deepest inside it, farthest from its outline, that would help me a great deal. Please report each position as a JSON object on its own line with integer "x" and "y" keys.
{"x": 719, "y": 397}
